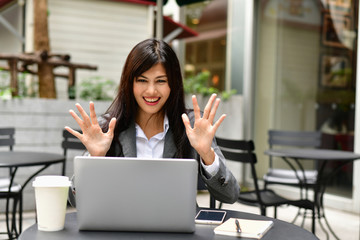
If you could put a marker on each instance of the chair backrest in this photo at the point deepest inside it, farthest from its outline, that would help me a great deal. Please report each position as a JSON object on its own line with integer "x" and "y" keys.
{"x": 309, "y": 139}
{"x": 302, "y": 139}
{"x": 241, "y": 151}
{"x": 7, "y": 137}
{"x": 71, "y": 142}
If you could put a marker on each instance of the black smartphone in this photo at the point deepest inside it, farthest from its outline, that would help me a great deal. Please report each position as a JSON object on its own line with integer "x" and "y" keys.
{"x": 210, "y": 217}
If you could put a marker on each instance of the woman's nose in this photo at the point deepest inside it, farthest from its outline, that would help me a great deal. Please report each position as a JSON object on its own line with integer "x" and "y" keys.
{"x": 151, "y": 88}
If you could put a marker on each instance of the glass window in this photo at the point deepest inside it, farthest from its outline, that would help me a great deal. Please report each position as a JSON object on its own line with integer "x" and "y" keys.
{"x": 208, "y": 50}
{"x": 306, "y": 51}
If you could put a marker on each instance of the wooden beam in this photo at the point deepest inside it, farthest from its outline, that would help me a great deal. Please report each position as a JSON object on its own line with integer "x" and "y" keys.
{"x": 62, "y": 63}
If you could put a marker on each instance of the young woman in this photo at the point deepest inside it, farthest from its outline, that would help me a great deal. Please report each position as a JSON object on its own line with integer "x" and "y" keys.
{"x": 148, "y": 119}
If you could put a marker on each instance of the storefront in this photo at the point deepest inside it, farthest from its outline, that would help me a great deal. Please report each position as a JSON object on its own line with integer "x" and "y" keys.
{"x": 295, "y": 63}
{"x": 305, "y": 71}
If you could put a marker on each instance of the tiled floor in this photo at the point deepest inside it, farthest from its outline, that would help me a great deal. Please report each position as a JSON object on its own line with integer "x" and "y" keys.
{"x": 345, "y": 225}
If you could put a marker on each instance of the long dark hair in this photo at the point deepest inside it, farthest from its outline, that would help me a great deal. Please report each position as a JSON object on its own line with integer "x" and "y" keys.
{"x": 124, "y": 108}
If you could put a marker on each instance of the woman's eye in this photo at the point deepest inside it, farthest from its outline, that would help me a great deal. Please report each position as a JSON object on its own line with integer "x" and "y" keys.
{"x": 141, "y": 80}
{"x": 161, "y": 81}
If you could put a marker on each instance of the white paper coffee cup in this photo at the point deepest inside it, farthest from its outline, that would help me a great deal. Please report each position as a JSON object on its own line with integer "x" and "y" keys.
{"x": 51, "y": 196}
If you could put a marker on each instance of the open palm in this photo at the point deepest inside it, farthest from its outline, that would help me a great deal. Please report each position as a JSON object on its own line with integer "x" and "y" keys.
{"x": 203, "y": 132}
{"x": 92, "y": 136}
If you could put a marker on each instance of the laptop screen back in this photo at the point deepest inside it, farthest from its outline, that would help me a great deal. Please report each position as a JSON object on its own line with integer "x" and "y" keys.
{"x": 133, "y": 194}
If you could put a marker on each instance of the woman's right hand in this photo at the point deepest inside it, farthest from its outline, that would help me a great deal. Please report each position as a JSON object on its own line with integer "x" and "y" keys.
{"x": 95, "y": 141}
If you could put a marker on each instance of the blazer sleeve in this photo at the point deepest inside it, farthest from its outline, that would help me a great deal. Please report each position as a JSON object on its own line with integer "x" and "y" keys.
{"x": 222, "y": 186}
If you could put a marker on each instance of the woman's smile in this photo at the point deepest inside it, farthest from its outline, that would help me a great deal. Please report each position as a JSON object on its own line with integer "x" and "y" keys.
{"x": 151, "y": 100}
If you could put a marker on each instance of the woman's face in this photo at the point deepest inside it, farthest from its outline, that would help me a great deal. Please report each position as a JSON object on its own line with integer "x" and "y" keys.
{"x": 151, "y": 90}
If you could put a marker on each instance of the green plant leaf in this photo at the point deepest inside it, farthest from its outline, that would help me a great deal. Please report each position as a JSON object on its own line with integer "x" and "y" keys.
{"x": 199, "y": 84}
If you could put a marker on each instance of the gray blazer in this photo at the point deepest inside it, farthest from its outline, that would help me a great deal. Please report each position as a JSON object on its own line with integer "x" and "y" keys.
{"x": 223, "y": 186}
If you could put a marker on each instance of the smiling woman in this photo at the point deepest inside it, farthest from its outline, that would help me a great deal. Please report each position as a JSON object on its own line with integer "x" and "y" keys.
{"x": 148, "y": 119}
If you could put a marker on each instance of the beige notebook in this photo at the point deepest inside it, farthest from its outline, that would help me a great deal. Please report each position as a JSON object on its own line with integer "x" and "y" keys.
{"x": 249, "y": 228}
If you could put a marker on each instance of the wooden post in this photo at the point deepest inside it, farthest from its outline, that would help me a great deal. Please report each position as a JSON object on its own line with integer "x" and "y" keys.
{"x": 41, "y": 43}
{"x": 13, "y": 76}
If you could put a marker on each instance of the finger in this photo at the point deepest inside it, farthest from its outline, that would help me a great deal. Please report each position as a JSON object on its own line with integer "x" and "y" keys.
{"x": 218, "y": 122}
{"x": 186, "y": 122}
{"x": 83, "y": 114}
{"x": 73, "y": 132}
{"x": 112, "y": 125}
{"x": 207, "y": 108}
{"x": 196, "y": 107}
{"x": 77, "y": 119}
{"x": 213, "y": 110}
{"x": 93, "y": 114}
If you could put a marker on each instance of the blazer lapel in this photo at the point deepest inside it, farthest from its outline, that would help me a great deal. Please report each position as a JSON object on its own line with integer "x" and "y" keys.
{"x": 169, "y": 145}
{"x": 127, "y": 139}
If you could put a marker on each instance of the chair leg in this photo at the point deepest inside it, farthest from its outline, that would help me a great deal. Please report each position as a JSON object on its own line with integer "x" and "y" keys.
{"x": 305, "y": 214}
{"x": 13, "y": 220}
{"x": 275, "y": 212}
{"x": 263, "y": 210}
{"x": 20, "y": 212}
{"x": 7, "y": 218}
{"x": 313, "y": 220}
{"x": 63, "y": 168}
{"x": 212, "y": 202}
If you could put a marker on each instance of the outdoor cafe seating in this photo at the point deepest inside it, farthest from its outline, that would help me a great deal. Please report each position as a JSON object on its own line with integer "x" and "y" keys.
{"x": 10, "y": 190}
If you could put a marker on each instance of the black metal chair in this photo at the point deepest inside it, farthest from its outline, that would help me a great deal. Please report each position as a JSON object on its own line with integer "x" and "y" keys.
{"x": 243, "y": 151}
{"x": 295, "y": 175}
{"x": 70, "y": 142}
{"x": 201, "y": 186}
{"x": 10, "y": 190}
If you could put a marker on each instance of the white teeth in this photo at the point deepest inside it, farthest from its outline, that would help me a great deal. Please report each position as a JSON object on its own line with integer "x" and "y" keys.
{"x": 151, "y": 99}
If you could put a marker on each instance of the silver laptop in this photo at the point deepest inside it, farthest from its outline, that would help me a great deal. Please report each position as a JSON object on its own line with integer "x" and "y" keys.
{"x": 134, "y": 194}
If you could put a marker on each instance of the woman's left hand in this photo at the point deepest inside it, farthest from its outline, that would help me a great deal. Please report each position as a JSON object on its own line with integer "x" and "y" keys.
{"x": 203, "y": 132}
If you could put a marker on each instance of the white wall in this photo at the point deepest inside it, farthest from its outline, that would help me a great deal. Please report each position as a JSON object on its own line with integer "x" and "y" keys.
{"x": 95, "y": 32}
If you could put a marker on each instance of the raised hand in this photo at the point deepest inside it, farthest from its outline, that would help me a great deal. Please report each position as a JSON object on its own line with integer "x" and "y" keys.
{"x": 203, "y": 132}
{"x": 95, "y": 141}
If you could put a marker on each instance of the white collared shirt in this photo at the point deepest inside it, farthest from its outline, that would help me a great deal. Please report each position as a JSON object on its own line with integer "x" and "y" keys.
{"x": 154, "y": 147}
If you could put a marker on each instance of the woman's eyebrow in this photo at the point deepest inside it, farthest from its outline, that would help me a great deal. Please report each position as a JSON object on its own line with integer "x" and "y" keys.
{"x": 162, "y": 76}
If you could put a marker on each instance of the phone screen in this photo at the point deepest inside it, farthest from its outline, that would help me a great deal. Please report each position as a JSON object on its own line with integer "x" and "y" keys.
{"x": 207, "y": 216}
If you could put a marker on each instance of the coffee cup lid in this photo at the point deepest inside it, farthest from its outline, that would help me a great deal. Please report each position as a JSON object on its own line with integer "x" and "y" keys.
{"x": 51, "y": 181}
